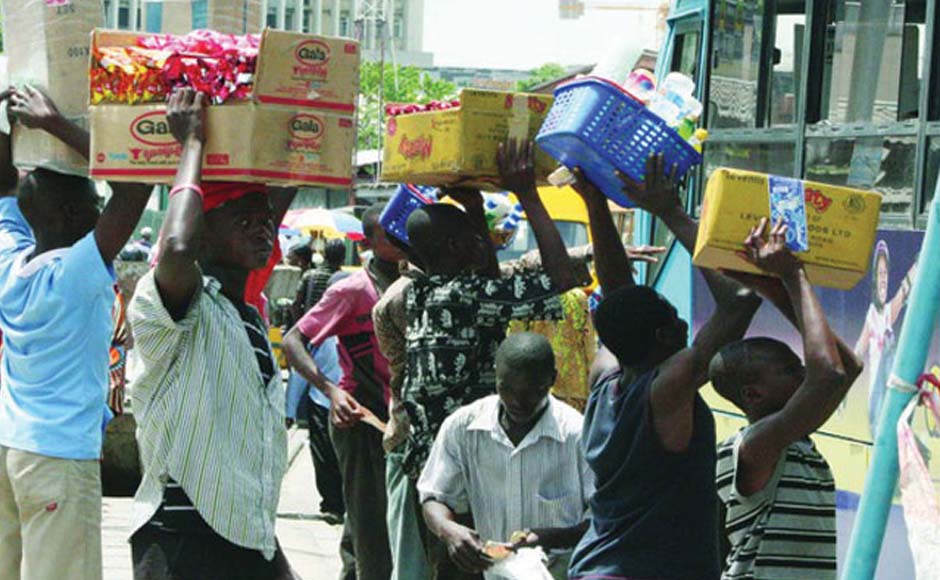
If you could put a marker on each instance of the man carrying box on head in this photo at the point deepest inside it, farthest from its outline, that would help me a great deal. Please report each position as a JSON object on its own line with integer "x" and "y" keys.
{"x": 209, "y": 401}
{"x": 648, "y": 435}
{"x": 56, "y": 294}
{"x": 441, "y": 331}
{"x": 777, "y": 488}
{"x": 345, "y": 311}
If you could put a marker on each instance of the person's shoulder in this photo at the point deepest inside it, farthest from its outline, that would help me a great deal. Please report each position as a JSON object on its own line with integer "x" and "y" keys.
{"x": 463, "y": 417}
{"x": 395, "y": 292}
{"x": 355, "y": 281}
{"x": 570, "y": 420}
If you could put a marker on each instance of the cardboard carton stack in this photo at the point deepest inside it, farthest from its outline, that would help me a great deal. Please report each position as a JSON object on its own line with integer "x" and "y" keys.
{"x": 296, "y": 128}
{"x": 458, "y": 146}
{"x": 47, "y": 46}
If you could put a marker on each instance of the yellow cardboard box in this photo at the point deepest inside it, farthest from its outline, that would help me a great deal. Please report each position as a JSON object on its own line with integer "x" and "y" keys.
{"x": 841, "y": 224}
{"x": 458, "y": 146}
{"x": 245, "y": 142}
{"x": 303, "y": 142}
{"x": 183, "y": 16}
{"x": 47, "y": 46}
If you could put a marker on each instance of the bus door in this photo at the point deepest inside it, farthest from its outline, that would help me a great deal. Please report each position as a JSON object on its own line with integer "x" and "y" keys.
{"x": 683, "y": 52}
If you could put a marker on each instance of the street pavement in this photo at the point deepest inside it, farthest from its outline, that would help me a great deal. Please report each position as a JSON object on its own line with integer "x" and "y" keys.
{"x": 311, "y": 545}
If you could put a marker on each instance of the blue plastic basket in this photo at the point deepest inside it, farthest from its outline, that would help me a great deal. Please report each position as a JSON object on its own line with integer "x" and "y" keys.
{"x": 595, "y": 125}
{"x": 407, "y": 198}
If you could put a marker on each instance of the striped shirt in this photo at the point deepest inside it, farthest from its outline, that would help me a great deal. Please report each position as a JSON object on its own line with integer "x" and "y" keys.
{"x": 786, "y": 530}
{"x": 544, "y": 482}
{"x": 205, "y": 416}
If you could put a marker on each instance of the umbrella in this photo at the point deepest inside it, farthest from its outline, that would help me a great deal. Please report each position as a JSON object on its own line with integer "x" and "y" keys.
{"x": 331, "y": 223}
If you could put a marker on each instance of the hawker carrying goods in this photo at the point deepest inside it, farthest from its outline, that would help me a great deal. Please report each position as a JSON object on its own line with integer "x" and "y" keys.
{"x": 182, "y": 16}
{"x": 831, "y": 229}
{"x": 452, "y": 145}
{"x": 46, "y": 45}
{"x": 282, "y": 105}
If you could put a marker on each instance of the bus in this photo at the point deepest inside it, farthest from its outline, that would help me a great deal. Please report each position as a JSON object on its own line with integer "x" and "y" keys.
{"x": 845, "y": 92}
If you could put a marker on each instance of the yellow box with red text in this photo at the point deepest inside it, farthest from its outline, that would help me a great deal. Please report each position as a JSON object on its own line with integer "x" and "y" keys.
{"x": 841, "y": 222}
{"x": 458, "y": 146}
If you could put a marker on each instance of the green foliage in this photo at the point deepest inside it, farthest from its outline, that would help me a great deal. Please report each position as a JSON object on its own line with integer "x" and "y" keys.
{"x": 543, "y": 74}
{"x": 402, "y": 84}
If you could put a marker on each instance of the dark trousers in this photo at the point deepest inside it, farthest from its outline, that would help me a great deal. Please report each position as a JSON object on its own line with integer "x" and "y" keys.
{"x": 159, "y": 554}
{"x": 362, "y": 464}
{"x": 325, "y": 465}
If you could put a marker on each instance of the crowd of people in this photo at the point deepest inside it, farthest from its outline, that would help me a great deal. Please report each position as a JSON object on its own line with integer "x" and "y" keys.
{"x": 436, "y": 438}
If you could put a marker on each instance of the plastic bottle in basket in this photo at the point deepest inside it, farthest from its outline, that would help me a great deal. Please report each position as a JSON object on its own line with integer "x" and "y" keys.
{"x": 641, "y": 84}
{"x": 674, "y": 101}
{"x": 698, "y": 138}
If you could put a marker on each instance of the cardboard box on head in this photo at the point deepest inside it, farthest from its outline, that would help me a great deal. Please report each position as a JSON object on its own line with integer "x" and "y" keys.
{"x": 832, "y": 229}
{"x": 307, "y": 138}
{"x": 459, "y": 146}
{"x": 47, "y": 45}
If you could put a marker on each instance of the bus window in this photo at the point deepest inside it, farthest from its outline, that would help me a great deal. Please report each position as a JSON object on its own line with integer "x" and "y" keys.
{"x": 735, "y": 64}
{"x": 862, "y": 79}
{"x": 574, "y": 234}
{"x": 685, "y": 50}
{"x": 885, "y": 164}
{"x": 777, "y": 158}
{"x": 786, "y": 61}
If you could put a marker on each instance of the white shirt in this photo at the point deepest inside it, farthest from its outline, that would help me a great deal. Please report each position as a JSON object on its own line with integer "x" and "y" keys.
{"x": 543, "y": 483}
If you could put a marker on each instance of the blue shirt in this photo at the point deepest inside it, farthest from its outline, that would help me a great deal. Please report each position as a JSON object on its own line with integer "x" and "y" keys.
{"x": 55, "y": 314}
{"x": 654, "y": 513}
{"x": 326, "y": 358}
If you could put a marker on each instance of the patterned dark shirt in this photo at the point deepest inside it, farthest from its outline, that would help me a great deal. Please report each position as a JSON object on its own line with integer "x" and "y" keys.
{"x": 454, "y": 328}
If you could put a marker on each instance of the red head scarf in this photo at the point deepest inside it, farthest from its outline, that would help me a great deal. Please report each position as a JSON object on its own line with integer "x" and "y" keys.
{"x": 218, "y": 193}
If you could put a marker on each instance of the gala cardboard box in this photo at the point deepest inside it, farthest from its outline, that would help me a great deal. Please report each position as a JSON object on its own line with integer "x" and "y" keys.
{"x": 245, "y": 142}
{"x": 47, "y": 46}
{"x": 304, "y": 70}
{"x": 837, "y": 224}
{"x": 305, "y": 141}
{"x": 458, "y": 146}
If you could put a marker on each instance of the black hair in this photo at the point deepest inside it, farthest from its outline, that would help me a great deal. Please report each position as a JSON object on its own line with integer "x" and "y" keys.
{"x": 370, "y": 220}
{"x": 302, "y": 251}
{"x": 431, "y": 227}
{"x": 44, "y": 190}
{"x": 627, "y": 320}
{"x": 335, "y": 253}
{"x": 725, "y": 371}
{"x": 527, "y": 353}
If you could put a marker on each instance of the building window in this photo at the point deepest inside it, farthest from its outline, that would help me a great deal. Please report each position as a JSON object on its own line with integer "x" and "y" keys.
{"x": 398, "y": 26}
{"x": 344, "y": 25}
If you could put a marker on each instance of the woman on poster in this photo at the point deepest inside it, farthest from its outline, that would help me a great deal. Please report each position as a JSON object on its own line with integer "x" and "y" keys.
{"x": 877, "y": 340}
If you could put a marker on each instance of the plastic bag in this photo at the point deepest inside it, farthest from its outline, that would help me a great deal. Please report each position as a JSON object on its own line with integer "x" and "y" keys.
{"x": 918, "y": 494}
{"x": 525, "y": 564}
